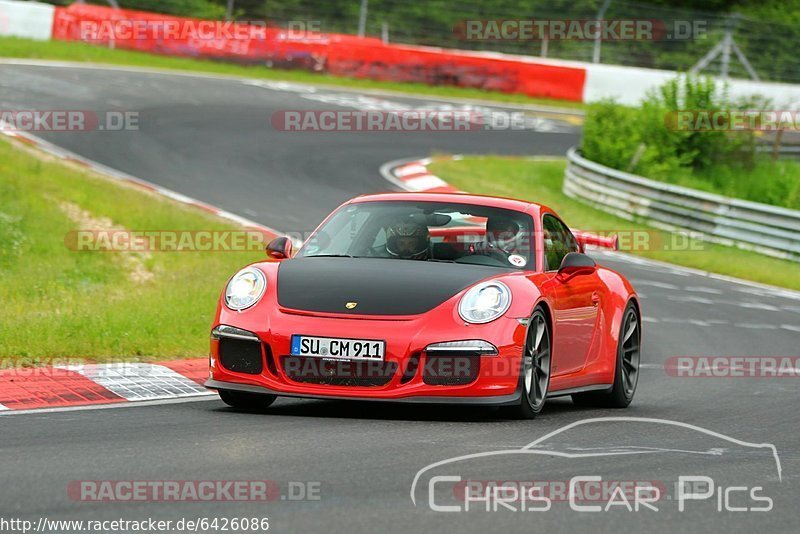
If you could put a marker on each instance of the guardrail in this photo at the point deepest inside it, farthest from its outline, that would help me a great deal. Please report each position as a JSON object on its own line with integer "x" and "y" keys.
{"x": 766, "y": 229}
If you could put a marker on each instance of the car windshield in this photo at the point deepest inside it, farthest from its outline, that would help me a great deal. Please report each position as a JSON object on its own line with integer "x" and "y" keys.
{"x": 426, "y": 231}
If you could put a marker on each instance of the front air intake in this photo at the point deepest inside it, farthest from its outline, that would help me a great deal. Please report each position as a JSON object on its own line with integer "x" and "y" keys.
{"x": 450, "y": 369}
{"x": 338, "y": 373}
{"x": 241, "y": 356}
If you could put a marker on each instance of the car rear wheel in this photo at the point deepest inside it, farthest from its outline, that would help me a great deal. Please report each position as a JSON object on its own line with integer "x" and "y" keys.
{"x": 626, "y": 376}
{"x": 246, "y": 401}
{"x": 535, "y": 369}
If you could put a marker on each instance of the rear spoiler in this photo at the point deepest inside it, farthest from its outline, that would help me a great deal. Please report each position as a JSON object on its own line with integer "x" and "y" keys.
{"x": 585, "y": 238}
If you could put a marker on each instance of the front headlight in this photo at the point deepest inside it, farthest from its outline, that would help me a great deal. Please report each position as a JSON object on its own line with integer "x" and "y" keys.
{"x": 245, "y": 289}
{"x": 485, "y": 302}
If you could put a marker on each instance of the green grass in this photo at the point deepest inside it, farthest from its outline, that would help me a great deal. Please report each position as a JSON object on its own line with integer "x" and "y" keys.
{"x": 768, "y": 182}
{"x": 541, "y": 181}
{"x": 12, "y": 47}
{"x": 60, "y": 303}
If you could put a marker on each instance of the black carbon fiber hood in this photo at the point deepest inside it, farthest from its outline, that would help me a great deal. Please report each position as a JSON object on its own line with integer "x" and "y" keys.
{"x": 378, "y": 286}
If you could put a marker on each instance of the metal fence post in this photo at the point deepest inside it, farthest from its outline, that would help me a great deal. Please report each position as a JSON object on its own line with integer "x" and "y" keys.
{"x": 599, "y": 39}
{"x": 723, "y": 49}
{"x": 362, "y": 18}
{"x": 727, "y": 41}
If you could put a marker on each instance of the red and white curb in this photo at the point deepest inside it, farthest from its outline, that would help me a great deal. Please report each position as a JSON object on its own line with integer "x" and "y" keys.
{"x": 413, "y": 175}
{"x": 93, "y": 384}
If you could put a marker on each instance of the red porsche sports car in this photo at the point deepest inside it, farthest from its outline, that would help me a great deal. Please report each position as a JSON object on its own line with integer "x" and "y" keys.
{"x": 430, "y": 298}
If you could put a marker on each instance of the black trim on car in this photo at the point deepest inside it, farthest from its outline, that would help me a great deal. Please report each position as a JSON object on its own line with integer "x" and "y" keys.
{"x": 582, "y": 389}
{"x": 498, "y": 400}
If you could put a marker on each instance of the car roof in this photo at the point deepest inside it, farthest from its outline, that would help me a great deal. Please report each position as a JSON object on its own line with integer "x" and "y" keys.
{"x": 531, "y": 208}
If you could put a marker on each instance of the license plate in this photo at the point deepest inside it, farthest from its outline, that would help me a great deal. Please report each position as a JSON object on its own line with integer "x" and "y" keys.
{"x": 338, "y": 348}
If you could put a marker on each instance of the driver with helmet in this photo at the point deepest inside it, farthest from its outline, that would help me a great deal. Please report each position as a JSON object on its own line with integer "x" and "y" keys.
{"x": 502, "y": 238}
{"x": 409, "y": 240}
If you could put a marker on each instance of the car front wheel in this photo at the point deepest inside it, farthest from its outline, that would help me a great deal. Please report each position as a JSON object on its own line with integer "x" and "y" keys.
{"x": 535, "y": 369}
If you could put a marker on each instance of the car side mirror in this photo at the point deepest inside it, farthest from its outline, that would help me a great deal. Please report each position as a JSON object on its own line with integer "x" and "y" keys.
{"x": 576, "y": 263}
{"x": 280, "y": 248}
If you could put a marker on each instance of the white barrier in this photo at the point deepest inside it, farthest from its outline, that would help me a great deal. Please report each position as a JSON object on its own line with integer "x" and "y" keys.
{"x": 26, "y": 19}
{"x": 766, "y": 229}
{"x": 629, "y": 85}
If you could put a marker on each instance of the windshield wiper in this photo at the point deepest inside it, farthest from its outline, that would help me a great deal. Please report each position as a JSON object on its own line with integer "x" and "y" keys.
{"x": 330, "y": 256}
{"x": 440, "y": 261}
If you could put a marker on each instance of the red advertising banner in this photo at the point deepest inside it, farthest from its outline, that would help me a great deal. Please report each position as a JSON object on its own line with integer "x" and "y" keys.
{"x": 337, "y": 54}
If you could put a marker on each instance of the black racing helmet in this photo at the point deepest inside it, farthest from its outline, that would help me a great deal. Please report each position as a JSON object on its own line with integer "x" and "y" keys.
{"x": 408, "y": 240}
{"x": 502, "y": 231}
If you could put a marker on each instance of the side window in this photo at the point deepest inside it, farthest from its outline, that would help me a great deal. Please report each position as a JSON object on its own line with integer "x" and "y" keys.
{"x": 558, "y": 242}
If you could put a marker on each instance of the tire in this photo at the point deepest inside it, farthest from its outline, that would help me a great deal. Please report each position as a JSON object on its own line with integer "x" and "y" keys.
{"x": 241, "y": 400}
{"x": 626, "y": 374}
{"x": 535, "y": 368}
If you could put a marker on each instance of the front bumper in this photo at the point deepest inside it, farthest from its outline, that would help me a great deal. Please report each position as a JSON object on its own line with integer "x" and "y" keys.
{"x": 498, "y": 400}
{"x": 405, "y": 375}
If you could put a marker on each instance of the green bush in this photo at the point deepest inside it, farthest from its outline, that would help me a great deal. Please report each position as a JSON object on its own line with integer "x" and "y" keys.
{"x": 645, "y": 140}
{"x": 698, "y": 150}
{"x": 611, "y": 134}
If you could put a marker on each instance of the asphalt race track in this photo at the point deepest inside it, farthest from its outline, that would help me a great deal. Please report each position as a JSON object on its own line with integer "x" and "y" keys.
{"x": 211, "y": 139}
